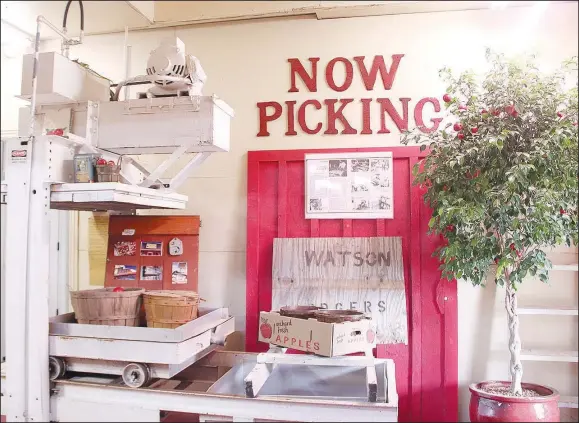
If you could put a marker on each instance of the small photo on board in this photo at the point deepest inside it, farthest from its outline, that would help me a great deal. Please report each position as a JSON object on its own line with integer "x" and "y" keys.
{"x": 151, "y": 273}
{"x": 379, "y": 165}
{"x": 382, "y": 203}
{"x": 338, "y": 168}
{"x": 380, "y": 181}
{"x": 151, "y": 248}
{"x": 179, "y": 272}
{"x": 360, "y": 188}
{"x": 125, "y": 272}
{"x": 360, "y": 204}
{"x": 360, "y": 165}
{"x": 316, "y": 204}
{"x": 125, "y": 248}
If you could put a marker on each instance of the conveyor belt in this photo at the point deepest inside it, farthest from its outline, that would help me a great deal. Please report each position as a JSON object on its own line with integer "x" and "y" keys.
{"x": 99, "y": 397}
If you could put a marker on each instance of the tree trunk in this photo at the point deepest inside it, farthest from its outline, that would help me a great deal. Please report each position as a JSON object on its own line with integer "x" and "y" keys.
{"x": 516, "y": 367}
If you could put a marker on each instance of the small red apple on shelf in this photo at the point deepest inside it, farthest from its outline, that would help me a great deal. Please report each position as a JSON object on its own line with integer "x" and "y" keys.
{"x": 457, "y": 127}
{"x": 474, "y": 130}
{"x": 119, "y": 289}
{"x": 447, "y": 98}
{"x": 266, "y": 330}
{"x": 460, "y": 136}
{"x": 101, "y": 162}
{"x": 58, "y": 132}
{"x": 111, "y": 163}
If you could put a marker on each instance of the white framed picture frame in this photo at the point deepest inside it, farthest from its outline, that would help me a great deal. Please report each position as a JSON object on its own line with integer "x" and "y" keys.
{"x": 349, "y": 186}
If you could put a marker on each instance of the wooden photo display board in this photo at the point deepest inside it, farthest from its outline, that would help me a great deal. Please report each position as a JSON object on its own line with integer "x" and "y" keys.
{"x": 139, "y": 250}
{"x": 364, "y": 274}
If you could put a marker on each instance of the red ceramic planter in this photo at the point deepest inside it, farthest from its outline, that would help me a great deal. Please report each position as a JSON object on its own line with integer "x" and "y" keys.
{"x": 485, "y": 407}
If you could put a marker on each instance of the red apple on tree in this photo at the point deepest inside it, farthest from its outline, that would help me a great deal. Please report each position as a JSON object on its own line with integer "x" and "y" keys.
{"x": 562, "y": 211}
{"x": 474, "y": 130}
{"x": 559, "y": 114}
{"x": 461, "y": 107}
{"x": 460, "y": 136}
{"x": 457, "y": 127}
{"x": 266, "y": 330}
{"x": 447, "y": 98}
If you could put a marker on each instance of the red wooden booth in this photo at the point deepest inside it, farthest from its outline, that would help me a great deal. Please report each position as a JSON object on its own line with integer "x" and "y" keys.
{"x": 426, "y": 368}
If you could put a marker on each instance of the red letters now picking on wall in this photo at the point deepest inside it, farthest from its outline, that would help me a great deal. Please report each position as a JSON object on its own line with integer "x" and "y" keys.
{"x": 299, "y": 116}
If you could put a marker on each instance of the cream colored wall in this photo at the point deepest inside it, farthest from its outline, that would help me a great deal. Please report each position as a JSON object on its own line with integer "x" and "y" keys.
{"x": 247, "y": 63}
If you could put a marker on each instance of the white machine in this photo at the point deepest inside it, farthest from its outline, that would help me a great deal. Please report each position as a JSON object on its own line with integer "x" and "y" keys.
{"x": 45, "y": 353}
{"x": 170, "y": 59}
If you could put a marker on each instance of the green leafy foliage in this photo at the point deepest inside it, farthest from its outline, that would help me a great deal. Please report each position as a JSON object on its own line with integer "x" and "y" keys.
{"x": 501, "y": 175}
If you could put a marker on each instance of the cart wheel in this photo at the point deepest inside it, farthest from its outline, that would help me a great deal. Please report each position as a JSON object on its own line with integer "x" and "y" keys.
{"x": 56, "y": 368}
{"x": 136, "y": 375}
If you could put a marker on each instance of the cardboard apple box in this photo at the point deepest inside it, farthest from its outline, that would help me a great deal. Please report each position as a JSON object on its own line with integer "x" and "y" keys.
{"x": 326, "y": 339}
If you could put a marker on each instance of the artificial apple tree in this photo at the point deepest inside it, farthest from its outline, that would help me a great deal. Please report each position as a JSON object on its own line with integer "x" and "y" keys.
{"x": 501, "y": 177}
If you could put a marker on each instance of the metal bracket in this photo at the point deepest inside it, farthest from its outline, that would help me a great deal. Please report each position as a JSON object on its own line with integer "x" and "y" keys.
{"x": 163, "y": 108}
{"x": 92, "y": 124}
{"x": 183, "y": 174}
{"x": 158, "y": 172}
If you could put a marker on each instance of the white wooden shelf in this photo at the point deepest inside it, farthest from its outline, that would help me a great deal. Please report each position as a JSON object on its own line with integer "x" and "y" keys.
{"x": 552, "y": 310}
{"x": 568, "y": 402}
{"x": 566, "y": 267}
{"x": 549, "y": 355}
{"x": 103, "y": 196}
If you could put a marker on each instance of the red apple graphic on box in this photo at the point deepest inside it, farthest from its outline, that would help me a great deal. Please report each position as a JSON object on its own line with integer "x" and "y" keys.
{"x": 266, "y": 330}
{"x": 370, "y": 336}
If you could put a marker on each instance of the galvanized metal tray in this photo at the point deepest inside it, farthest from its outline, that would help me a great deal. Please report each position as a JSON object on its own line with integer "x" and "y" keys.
{"x": 336, "y": 383}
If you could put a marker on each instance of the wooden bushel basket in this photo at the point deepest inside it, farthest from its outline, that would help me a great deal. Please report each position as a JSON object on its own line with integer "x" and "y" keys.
{"x": 105, "y": 307}
{"x": 170, "y": 309}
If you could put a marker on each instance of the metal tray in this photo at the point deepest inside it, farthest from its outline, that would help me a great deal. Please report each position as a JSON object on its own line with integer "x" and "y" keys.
{"x": 336, "y": 383}
{"x": 65, "y": 325}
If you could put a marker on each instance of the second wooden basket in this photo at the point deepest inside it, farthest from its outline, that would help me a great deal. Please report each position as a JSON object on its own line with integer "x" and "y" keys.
{"x": 170, "y": 309}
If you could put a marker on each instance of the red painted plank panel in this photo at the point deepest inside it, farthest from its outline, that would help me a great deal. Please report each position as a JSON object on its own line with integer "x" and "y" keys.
{"x": 426, "y": 368}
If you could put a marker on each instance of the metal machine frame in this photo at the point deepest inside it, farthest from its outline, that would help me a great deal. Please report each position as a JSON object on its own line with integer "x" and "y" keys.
{"x": 37, "y": 180}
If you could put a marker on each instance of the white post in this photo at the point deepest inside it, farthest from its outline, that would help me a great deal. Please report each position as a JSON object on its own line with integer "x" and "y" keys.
{"x": 27, "y": 287}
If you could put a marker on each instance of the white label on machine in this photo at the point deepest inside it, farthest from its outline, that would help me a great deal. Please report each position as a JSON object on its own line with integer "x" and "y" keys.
{"x": 19, "y": 156}
{"x": 128, "y": 232}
